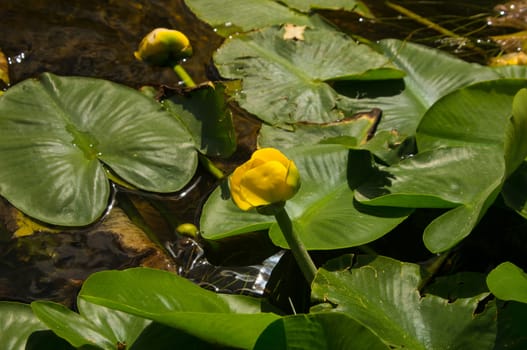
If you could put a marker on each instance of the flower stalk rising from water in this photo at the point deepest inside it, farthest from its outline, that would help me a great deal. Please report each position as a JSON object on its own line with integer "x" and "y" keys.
{"x": 264, "y": 183}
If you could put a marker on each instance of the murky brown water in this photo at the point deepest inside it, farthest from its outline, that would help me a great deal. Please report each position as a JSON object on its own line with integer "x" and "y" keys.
{"x": 95, "y": 38}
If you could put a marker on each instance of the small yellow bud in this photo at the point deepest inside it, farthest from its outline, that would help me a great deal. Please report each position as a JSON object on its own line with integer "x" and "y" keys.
{"x": 164, "y": 47}
{"x": 188, "y": 229}
{"x": 269, "y": 177}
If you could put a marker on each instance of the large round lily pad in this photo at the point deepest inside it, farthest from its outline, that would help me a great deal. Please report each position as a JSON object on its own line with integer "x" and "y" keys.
{"x": 57, "y": 132}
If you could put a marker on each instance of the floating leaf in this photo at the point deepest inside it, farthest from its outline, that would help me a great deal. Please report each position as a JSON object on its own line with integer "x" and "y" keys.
{"x": 468, "y": 143}
{"x": 352, "y": 131}
{"x": 318, "y": 332}
{"x": 244, "y": 15}
{"x": 430, "y": 74}
{"x": 323, "y": 211}
{"x": 514, "y": 190}
{"x": 286, "y": 81}
{"x": 348, "y": 5}
{"x": 174, "y": 301}
{"x": 204, "y": 112}
{"x": 383, "y": 295}
{"x": 94, "y": 325}
{"x": 57, "y": 132}
{"x": 17, "y": 322}
{"x": 508, "y": 282}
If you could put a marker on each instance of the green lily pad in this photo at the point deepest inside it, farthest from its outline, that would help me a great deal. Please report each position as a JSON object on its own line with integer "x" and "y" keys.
{"x": 228, "y": 320}
{"x": 508, "y": 282}
{"x": 245, "y": 15}
{"x": 383, "y": 295}
{"x": 93, "y": 325}
{"x": 203, "y": 110}
{"x": 348, "y": 5}
{"x": 430, "y": 75}
{"x": 323, "y": 211}
{"x": 468, "y": 144}
{"x": 285, "y": 81}
{"x": 514, "y": 190}
{"x": 17, "y": 323}
{"x": 352, "y": 131}
{"x": 320, "y": 331}
{"x": 57, "y": 135}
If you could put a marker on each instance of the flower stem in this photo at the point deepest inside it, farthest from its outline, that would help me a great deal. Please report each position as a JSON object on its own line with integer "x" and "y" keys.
{"x": 298, "y": 249}
{"x": 182, "y": 73}
{"x": 209, "y": 165}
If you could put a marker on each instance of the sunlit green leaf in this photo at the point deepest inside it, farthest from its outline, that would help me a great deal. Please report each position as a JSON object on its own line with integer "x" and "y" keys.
{"x": 430, "y": 74}
{"x": 352, "y": 131}
{"x": 57, "y": 132}
{"x": 428, "y": 180}
{"x": 472, "y": 116}
{"x": 383, "y": 295}
{"x": 516, "y": 129}
{"x": 467, "y": 142}
{"x": 323, "y": 211}
{"x": 94, "y": 325}
{"x": 174, "y": 301}
{"x": 286, "y": 81}
{"x": 508, "y": 282}
{"x": 17, "y": 322}
{"x": 244, "y": 15}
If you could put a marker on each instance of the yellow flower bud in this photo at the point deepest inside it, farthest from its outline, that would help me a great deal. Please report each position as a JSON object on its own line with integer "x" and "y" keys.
{"x": 188, "y": 229}
{"x": 163, "y": 47}
{"x": 269, "y": 177}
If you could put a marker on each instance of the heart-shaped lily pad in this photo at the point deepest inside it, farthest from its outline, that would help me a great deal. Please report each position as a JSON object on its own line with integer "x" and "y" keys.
{"x": 285, "y": 75}
{"x": 57, "y": 134}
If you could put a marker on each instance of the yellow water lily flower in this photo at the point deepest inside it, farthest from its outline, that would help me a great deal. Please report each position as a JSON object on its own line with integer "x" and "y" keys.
{"x": 164, "y": 47}
{"x": 269, "y": 177}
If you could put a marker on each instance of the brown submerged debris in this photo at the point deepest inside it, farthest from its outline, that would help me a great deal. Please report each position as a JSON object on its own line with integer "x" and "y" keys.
{"x": 52, "y": 263}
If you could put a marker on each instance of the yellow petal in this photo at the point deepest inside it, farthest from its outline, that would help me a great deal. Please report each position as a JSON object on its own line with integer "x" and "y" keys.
{"x": 265, "y": 184}
{"x": 268, "y": 154}
{"x": 234, "y": 183}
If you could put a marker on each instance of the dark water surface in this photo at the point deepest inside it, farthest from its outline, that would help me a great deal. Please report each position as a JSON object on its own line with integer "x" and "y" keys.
{"x": 95, "y": 38}
{"x": 98, "y": 38}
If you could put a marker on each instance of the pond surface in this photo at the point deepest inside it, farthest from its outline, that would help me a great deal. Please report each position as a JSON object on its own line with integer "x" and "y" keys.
{"x": 97, "y": 39}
